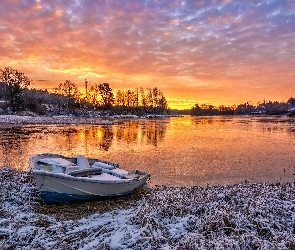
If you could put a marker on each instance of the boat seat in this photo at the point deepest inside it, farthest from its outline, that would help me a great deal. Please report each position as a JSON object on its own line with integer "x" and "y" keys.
{"x": 56, "y": 161}
{"x": 56, "y": 165}
{"x": 86, "y": 172}
{"x": 131, "y": 175}
{"x": 82, "y": 162}
{"x": 121, "y": 173}
{"x": 98, "y": 164}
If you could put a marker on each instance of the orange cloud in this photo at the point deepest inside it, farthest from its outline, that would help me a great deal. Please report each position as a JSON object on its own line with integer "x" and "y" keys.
{"x": 219, "y": 51}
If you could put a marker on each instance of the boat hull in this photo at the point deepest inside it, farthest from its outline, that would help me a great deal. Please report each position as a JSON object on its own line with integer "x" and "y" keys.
{"x": 56, "y": 188}
{"x": 59, "y": 179}
{"x": 55, "y": 197}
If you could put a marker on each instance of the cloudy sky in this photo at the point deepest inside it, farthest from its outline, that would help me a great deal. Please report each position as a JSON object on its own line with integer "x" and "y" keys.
{"x": 214, "y": 52}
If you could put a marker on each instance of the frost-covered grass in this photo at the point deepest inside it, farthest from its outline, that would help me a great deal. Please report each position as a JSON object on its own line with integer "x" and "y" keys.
{"x": 20, "y": 120}
{"x": 250, "y": 216}
{"x": 101, "y": 120}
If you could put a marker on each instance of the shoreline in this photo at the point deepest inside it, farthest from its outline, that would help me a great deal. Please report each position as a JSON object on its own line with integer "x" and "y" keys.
{"x": 101, "y": 120}
{"x": 31, "y": 118}
{"x": 26, "y": 120}
{"x": 241, "y": 216}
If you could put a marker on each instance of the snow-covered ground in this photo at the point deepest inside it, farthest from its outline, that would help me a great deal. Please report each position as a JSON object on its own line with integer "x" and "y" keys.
{"x": 250, "y": 216}
{"x": 15, "y": 119}
{"x": 35, "y": 119}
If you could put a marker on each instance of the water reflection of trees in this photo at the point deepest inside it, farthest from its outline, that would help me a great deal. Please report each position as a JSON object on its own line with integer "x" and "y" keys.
{"x": 13, "y": 138}
{"x": 75, "y": 139}
{"x": 107, "y": 136}
{"x": 128, "y": 131}
{"x": 13, "y": 145}
{"x": 205, "y": 120}
{"x": 89, "y": 138}
{"x": 154, "y": 132}
{"x": 145, "y": 132}
{"x": 148, "y": 132}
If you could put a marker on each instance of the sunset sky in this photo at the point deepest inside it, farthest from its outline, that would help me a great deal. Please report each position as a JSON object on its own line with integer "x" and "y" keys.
{"x": 214, "y": 52}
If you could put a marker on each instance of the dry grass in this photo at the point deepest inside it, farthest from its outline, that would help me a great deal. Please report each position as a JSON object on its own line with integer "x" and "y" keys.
{"x": 79, "y": 210}
{"x": 250, "y": 216}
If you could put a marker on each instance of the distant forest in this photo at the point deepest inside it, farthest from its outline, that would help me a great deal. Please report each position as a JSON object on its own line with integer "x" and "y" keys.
{"x": 96, "y": 99}
{"x": 262, "y": 108}
{"x": 99, "y": 99}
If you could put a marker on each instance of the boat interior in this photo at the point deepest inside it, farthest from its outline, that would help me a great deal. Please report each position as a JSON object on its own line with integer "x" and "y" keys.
{"x": 83, "y": 167}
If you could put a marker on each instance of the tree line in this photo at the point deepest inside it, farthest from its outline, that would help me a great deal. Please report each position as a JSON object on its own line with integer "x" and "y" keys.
{"x": 262, "y": 108}
{"x": 66, "y": 98}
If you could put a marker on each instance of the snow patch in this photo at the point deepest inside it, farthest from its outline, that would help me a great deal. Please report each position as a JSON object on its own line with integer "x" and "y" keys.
{"x": 218, "y": 217}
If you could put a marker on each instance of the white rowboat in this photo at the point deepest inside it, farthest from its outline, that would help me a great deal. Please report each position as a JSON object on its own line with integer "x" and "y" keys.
{"x": 65, "y": 179}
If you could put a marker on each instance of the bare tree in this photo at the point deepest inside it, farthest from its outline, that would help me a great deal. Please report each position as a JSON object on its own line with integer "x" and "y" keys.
{"x": 149, "y": 98}
{"x": 120, "y": 100}
{"x": 102, "y": 95}
{"x": 162, "y": 102}
{"x": 69, "y": 90}
{"x": 16, "y": 82}
{"x": 143, "y": 97}
{"x": 106, "y": 94}
{"x": 131, "y": 98}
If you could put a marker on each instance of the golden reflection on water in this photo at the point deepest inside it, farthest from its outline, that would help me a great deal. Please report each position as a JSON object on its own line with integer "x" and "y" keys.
{"x": 177, "y": 151}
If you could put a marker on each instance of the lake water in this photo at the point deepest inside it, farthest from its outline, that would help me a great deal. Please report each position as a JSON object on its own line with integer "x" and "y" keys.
{"x": 178, "y": 151}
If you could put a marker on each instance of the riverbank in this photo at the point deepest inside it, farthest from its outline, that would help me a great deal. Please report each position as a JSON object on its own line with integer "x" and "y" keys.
{"x": 250, "y": 216}
{"x": 31, "y": 118}
{"x": 26, "y": 119}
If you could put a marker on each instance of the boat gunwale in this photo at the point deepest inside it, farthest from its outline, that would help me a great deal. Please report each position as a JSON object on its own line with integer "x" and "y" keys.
{"x": 32, "y": 160}
{"x": 87, "y": 179}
